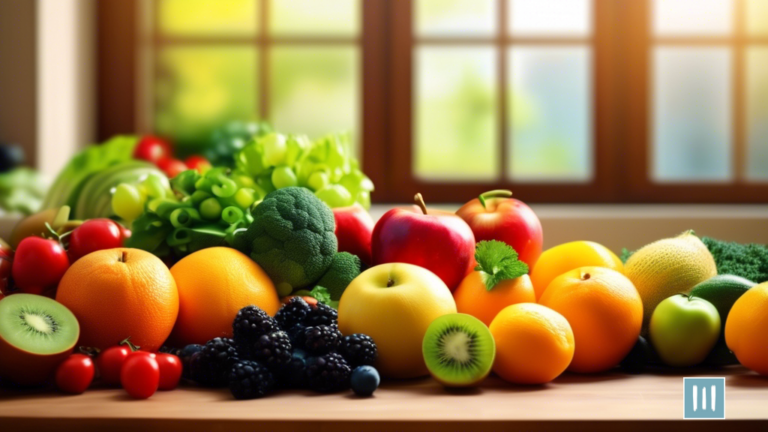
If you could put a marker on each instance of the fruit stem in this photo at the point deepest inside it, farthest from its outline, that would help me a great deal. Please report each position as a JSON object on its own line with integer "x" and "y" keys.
{"x": 127, "y": 341}
{"x": 419, "y": 200}
{"x": 390, "y": 283}
{"x": 496, "y": 193}
{"x": 123, "y": 256}
{"x": 585, "y": 276}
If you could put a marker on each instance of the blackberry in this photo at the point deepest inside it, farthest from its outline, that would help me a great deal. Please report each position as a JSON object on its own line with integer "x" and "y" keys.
{"x": 296, "y": 335}
{"x": 210, "y": 367}
{"x": 321, "y": 339}
{"x": 292, "y": 313}
{"x": 322, "y": 314}
{"x": 328, "y": 373}
{"x": 251, "y": 323}
{"x": 359, "y": 349}
{"x": 185, "y": 355}
{"x": 250, "y": 380}
{"x": 272, "y": 350}
{"x": 293, "y": 374}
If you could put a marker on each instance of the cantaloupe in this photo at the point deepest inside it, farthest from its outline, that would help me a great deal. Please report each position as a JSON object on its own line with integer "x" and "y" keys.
{"x": 668, "y": 267}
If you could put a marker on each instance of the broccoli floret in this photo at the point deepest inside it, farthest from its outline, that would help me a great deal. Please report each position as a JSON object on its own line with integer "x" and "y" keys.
{"x": 344, "y": 268}
{"x": 291, "y": 238}
{"x": 746, "y": 260}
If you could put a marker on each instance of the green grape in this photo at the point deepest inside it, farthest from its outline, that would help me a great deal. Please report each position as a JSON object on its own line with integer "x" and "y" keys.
{"x": 335, "y": 196}
{"x": 127, "y": 202}
{"x": 245, "y": 197}
{"x": 283, "y": 177}
{"x": 274, "y": 149}
{"x": 318, "y": 180}
{"x": 210, "y": 209}
{"x": 199, "y": 196}
{"x": 154, "y": 186}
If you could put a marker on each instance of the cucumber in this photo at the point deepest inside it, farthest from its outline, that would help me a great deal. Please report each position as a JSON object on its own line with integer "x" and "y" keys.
{"x": 722, "y": 291}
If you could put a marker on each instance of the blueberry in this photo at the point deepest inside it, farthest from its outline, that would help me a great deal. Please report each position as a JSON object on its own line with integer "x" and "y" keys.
{"x": 365, "y": 380}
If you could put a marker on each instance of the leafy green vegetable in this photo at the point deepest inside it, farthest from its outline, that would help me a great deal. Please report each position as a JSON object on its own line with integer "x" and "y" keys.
{"x": 21, "y": 191}
{"x": 66, "y": 188}
{"x": 291, "y": 237}
{"x": 749, "y": 261}
{"x": 625, "y": 254}
{"x": 228, "y": 140}
{"x": 321, "y": 294}
{"x": 498, "y": 261}
{"x": 344, "y": 268}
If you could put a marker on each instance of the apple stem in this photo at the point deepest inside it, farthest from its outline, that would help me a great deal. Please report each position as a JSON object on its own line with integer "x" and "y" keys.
{"x": 497, "y": 193}
{"x": 123, "y": 256}
{"x": 585, "y": 276}
{"x": 390, "y": 283}
{"x": 419, "y": 200}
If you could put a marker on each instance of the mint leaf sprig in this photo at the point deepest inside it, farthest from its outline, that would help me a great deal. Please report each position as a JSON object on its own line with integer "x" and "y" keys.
{"x": 497, "y": 262}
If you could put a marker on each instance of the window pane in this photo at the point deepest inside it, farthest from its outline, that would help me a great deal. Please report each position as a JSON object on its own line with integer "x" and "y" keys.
{"x": 314, "y": 90}
{"x": 757, "y": 113}
{"x": 550, "y": 17}
{"x": 550, "y": 114}
{"x": 456, "y": 122}
{"x": 757, "y": 17}
{"x": 455, "y": 17}
{"x": 199, "y": 88}
{"x": 313, "y": 17}
{"x": 687, "y": 17}
{"x": 207, "y": 17}
{"x": 692, "y": 114}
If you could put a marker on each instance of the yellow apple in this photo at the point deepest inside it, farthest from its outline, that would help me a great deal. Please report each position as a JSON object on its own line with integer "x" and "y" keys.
{"x": 394, "y": 304}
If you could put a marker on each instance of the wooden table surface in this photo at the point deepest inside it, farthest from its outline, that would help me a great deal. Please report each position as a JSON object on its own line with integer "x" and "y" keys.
{"x": 610, "y": 401}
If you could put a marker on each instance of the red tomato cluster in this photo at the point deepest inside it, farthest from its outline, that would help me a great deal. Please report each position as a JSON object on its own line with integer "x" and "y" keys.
{"x": 140, "y": 373}
{"x": 159, "y": 152}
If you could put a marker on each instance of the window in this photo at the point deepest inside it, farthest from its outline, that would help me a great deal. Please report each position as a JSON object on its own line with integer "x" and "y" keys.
{"x": 295, "y": 63}
{"x": 558, "y": 100}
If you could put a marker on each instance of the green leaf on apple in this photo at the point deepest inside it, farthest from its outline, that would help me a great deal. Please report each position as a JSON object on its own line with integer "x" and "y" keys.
{"x": 498, "y": 261}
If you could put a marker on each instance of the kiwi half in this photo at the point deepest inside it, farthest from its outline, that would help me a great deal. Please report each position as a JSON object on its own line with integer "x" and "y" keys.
{"x": 459, "y": 350}
{"x": 36, "y": 335}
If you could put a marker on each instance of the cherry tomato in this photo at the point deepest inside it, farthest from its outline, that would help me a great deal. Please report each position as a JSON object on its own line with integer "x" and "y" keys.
{"x": 153, "y": 149}
{"x": 39, "y": 265}
{"x": 199, "y": 163}
{"x": 75, "y": 374}
{"x": 140, "y": 375}
{"x": 110, "y": 362}
{"x": 170, "y": 371}
{"x": 94, "y": 235}
{"x": 171, "y": 167}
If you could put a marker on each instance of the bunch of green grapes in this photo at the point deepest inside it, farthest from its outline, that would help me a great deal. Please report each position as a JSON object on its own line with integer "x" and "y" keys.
{"x": 326, "y": 166}
{"x": 201, "y": 210}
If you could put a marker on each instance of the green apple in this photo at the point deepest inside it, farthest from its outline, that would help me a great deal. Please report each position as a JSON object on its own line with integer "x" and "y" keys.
{"x": 684, "y": 329}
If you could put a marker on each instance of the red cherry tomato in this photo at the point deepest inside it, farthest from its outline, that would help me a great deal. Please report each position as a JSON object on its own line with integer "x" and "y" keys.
{"x": 110, "y": 363}
{"x": 39, "y": 265}
{"x": 94, "y": 235}
{"x": 151, "y": 148}
{"x": 140, "y": 375}
{"x": 199, "y": 163}
{"x": 171, "y": 167}
{"x": 170, "y": 370}
{"x": 75, "y": 374}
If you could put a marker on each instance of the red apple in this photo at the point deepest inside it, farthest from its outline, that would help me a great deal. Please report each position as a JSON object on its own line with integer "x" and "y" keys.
{"x": 354, "y": 227}
{"x": 439, "y": 241}
{"x": 496, "y": 216}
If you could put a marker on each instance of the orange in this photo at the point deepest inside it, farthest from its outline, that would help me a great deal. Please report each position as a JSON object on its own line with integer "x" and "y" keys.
{"x": 214, "y": 284}
{"x": 120, "y": 293}
{"x": 605, "y": 312}
{"x": 746, "y": 328}
{"x": 568, "y": 256}
{"x": 534, "y": 344}
{"x": 474, "y": 299}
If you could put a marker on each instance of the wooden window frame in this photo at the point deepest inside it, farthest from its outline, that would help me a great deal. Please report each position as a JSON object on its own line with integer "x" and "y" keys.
{"x": 621, "y": 45}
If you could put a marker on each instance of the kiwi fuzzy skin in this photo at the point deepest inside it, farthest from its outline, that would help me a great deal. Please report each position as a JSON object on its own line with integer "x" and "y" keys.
{"x": 28, "y": 369}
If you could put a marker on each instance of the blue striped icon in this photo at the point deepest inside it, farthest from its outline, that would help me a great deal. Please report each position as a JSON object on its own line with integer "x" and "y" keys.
{"x": 704, "y": 398}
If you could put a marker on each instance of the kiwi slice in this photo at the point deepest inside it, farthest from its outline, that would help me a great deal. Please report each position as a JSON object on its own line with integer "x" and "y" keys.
{"x": 458, "y": 350}
{"x": 36, "y": 334}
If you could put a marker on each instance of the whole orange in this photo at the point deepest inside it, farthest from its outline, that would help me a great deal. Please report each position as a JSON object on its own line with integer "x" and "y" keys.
{"x": 568, "y": 256}
{"x": 746, "y": 328}
{"x": 214, "y": 284}
{"x": 474, "y": 299}
{"x": 120, "y": 293}
{"x": 605, "y": 312}
{"x": 534, "y": 344}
